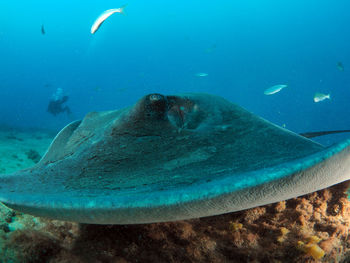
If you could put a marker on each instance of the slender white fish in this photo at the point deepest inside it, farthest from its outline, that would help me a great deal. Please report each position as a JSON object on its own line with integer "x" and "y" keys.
{"x": 320, "y": 97}
{"x": 98, "y": 22}
{"x": 202, "y": 74}
{"x": 274, "y": 89}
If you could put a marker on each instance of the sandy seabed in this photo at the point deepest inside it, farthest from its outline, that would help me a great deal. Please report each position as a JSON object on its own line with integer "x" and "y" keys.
{"x": 311, "y": 228}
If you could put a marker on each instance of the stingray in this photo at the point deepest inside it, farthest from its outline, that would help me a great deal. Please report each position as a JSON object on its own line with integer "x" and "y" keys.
{"x": 170, "y": 158}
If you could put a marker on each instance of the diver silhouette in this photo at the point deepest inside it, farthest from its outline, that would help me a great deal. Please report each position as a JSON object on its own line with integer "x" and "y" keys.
{"x": 56, "y": 106}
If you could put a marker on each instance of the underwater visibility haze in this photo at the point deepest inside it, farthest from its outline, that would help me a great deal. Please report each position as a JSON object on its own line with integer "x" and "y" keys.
{"x": 142, "y": 157}
{"x": 243, "y": 47}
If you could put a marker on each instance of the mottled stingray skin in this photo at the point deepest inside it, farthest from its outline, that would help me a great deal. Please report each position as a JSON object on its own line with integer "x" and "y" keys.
{"x": 169, "y": 158}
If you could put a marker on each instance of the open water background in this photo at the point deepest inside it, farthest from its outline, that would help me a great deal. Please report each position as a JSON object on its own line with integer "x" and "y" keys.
{"x": 245, "y": 46}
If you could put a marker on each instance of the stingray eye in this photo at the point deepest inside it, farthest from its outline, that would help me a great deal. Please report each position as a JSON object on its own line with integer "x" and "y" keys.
{"x": 155, "y": 97}
{"x": 156, "y": 106}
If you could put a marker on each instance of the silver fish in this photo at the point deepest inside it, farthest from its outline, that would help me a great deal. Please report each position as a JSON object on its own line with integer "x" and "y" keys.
{"x": 275, "y": 89}
{"x": 321, "y": 97}
{"x": 98, "y": 22}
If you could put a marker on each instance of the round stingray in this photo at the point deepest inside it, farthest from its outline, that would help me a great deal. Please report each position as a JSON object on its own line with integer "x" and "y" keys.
{"x": 169, "y": 158}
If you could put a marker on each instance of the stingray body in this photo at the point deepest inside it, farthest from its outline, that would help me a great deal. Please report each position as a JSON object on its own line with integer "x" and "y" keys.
{"x": 169, "y": 158}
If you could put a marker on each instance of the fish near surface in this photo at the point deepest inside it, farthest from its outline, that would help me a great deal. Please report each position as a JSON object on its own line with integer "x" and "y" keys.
{"x": 170, "y": 158}
{"x": 102, "y": 17}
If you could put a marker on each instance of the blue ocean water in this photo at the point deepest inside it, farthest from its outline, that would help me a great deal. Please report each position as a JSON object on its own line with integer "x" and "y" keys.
{"x": 160, "y": 46}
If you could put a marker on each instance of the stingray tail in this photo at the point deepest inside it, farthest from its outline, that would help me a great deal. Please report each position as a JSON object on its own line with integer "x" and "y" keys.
{"x": 321, "y": 133}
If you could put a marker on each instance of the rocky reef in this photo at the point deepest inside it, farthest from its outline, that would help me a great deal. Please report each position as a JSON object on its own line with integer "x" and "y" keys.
{"x": 311, "y": 228}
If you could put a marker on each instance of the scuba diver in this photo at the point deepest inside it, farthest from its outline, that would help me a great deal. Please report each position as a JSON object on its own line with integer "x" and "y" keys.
{"x": 56, "y": 102}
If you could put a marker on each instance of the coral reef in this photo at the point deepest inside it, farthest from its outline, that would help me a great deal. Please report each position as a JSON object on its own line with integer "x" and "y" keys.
{"x": 32, "y": 246}
{"x": 311, "y": 228}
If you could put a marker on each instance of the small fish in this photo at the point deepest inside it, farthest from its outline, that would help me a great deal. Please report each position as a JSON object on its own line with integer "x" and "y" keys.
{"x": 98, "y": 22}
{"x": 202, "y": 74}
{"x": 321, "y": 97}
{"x": 274, "y": 89}
{"x": 340, "y": 66}
{"x": 43, "y": 30}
